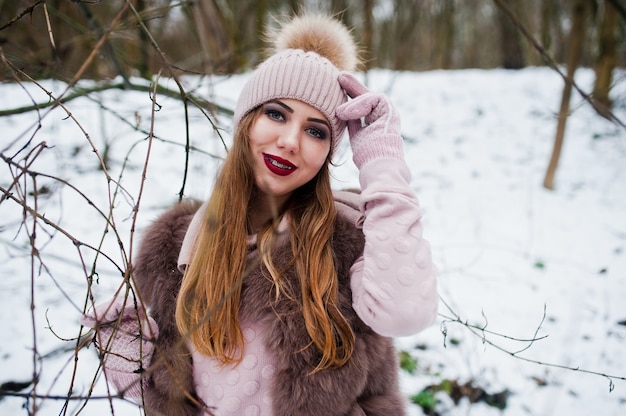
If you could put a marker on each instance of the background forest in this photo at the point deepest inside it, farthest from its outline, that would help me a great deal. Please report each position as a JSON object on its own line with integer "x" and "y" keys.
{"x": 94, "y": 39}
{"x": 112, "y": 110}
{"x": 53, "y": 38}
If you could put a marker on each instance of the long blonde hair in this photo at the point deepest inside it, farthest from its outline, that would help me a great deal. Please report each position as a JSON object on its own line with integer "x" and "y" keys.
{"x": 207, "y": 308}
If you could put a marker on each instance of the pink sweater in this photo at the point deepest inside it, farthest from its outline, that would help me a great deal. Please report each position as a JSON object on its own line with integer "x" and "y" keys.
{"x": 393, "y": 284}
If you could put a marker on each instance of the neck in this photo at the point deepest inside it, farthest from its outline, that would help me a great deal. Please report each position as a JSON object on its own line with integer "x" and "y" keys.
{"x": 263, "y": 209}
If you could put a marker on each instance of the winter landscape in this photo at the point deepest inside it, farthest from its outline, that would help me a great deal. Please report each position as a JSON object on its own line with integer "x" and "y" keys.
{"x": 532, "y": 282}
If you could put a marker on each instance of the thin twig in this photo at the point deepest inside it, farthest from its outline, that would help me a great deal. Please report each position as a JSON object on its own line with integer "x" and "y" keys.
{"x": 29, "y": 10}
{"x": 49, "y": 26}
{"x": 481, "y": 331}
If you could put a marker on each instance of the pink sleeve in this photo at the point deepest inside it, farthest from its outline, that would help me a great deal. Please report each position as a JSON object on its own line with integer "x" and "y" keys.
{"x": 394, "y": 283}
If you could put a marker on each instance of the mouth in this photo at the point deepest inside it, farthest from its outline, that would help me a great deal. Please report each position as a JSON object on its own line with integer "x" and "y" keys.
{"x": 278, "y": 165}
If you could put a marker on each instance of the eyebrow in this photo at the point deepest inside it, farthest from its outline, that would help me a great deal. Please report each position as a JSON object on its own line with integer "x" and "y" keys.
{"x": 320, "y": 121}
{"x": 290, "y": 110}
{"x": 283, "y": 105}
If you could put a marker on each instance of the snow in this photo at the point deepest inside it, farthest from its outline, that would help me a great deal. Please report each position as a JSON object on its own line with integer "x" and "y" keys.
{"x": 516, "y": 261}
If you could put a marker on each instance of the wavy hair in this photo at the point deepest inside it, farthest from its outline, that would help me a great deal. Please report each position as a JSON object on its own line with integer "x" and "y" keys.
{"x": 207, "y": 308}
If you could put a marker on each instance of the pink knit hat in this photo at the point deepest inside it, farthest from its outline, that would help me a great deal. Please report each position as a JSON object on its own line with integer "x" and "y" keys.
{"x": 310, "y": 53}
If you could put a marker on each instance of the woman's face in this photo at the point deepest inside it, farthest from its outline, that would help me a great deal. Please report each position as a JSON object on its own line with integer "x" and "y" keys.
{"x": 289, "y": 143}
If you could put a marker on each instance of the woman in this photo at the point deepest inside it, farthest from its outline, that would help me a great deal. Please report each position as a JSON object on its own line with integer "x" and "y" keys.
{"x": 278, "y": 296}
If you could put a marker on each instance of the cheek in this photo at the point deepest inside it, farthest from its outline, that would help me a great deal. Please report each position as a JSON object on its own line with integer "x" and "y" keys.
{"x": 253, "y": 137}
{"x": 258, "y": 132}
{"x": 322, "y": 154}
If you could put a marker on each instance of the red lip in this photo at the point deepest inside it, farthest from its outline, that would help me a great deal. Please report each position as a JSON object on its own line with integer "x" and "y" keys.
{"x": 278, "y": 165}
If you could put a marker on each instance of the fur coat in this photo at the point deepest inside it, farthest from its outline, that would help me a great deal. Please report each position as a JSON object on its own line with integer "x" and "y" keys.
{"x": 366, "y": 385}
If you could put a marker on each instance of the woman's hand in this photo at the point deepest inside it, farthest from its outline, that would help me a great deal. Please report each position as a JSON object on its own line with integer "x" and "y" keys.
{"x": 373, "y": 122}
{"x": 124, "y": 336}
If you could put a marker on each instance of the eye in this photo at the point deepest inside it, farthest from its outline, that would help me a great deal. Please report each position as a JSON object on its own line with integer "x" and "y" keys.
{"x": 273, "y": 114}
{"x": 317, "y": 133}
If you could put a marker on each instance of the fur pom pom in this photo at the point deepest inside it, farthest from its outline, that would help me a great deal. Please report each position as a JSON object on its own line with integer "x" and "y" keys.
{"x": 323, "y": 35}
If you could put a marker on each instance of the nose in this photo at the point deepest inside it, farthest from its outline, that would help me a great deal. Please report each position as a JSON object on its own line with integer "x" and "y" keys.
{"x": 289, "y": 138}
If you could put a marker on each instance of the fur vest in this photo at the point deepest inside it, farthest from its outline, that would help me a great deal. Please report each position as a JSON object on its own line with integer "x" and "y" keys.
{"x": 366, "y": 385}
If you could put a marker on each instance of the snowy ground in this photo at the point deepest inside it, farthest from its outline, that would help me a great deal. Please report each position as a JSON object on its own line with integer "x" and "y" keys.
{"x": 514, "y": 258}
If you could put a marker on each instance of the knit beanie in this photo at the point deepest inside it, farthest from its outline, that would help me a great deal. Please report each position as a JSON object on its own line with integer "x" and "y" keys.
{"x": 309, "y": 53}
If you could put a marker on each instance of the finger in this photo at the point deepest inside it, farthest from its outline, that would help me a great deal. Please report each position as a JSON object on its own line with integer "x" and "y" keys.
{"x": 88, "y": 321}
{"x": 107, "y": 312}
{"x": 359, "y": 107}
{"x": 353, "y": 127}
{"x": 351, "y": 85}
{"x": 111, "y": 310}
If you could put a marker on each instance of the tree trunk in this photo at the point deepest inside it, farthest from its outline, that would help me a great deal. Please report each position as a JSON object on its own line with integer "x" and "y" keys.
{"x": 143, "y": 63}
{"x": 368, "y": 30}
{"x": 606, "y": 60}
{"x": 575, "y": 46}
{"x": 213, "y": 34}
{"x": 510, "y": 39}
{"x": 341, "y": 10}
{"x": 547, "y": 18}
{"x": 444, "y": 32}
{"x": 403, "y": 41}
